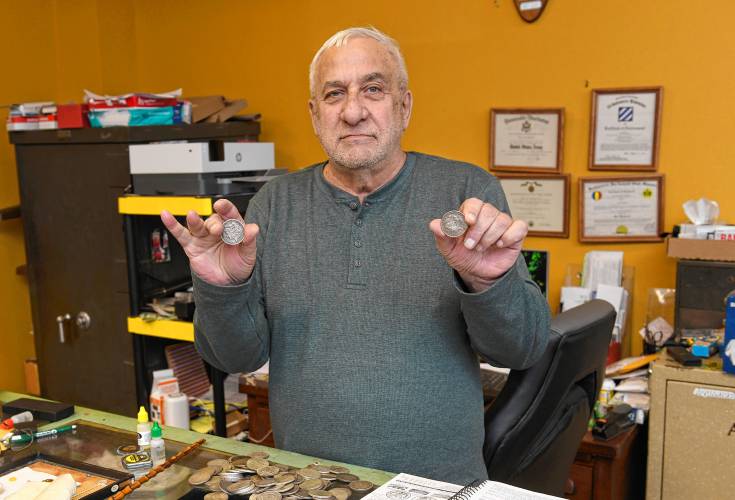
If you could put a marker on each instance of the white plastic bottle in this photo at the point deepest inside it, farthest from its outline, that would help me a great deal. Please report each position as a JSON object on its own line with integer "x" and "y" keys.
{"x": 158, "y": 447}
{"x": 144, "y": 429}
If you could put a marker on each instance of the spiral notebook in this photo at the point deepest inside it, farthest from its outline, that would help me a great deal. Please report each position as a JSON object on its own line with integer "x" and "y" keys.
{"x": 408, "y": 487}
{"x": 493, "y": 490}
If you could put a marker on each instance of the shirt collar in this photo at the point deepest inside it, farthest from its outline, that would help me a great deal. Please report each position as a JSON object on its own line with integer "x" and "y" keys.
{"x": 385, "y": 191}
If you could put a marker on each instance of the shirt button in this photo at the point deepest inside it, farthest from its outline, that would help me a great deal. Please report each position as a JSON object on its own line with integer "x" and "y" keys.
{"x": 358, "y": 263}
{"x": 358, "y": 222}
{"x": 358, "y": 243}
{"x": 353, "y": 205}
{"x": 367, "y": 203}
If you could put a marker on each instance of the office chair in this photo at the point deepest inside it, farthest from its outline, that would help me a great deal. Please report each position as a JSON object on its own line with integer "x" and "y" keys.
{"x": 534, "y": 428}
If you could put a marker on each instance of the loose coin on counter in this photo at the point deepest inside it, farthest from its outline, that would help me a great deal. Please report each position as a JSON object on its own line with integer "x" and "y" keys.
{"x": 201, "y": 476}
{"x": 341, "y": 493}
{"x": 347, "y": 478}
{"x": 216, "y": 495}
{"x": 361, "y": 486}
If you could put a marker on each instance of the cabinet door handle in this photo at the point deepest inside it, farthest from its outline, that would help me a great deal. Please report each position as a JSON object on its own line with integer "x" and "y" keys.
{"x": 60, "y": 320}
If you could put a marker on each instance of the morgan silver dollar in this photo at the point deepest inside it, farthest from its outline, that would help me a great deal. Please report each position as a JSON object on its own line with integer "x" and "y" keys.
{"x": 453, "y": 224}
{"x": 233, "y": 231}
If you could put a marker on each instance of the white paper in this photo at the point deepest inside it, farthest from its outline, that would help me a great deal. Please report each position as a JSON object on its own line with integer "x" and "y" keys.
{"x": 16, "y": 480}
{"x": 408, "y": 487}
{"x": 602, "y": 268}
{"x": 643, "y": 372}
{"x": 616, "y": 296}
{"x": 633, "y": 384}
{"x": 492, "y": 490}
{"x": 573, "y": 296}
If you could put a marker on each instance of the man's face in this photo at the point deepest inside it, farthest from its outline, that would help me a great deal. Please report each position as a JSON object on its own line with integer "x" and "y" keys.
{"x": 358, "y": 109}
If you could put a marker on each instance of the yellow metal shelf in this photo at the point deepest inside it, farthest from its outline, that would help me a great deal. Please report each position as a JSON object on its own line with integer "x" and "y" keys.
{"x": 164, "y": 328}
{"x": 154, "y": 205}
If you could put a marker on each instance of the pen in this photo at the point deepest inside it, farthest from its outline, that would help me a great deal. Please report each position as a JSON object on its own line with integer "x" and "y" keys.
{"x": 24, "y": 438}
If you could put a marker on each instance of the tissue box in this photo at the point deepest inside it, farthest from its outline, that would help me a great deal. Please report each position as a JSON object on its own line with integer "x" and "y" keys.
{"x": 701, "y": 249}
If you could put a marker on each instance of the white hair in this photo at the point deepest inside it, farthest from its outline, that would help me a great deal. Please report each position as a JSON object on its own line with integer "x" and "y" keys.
{"x": 341, "y": 38}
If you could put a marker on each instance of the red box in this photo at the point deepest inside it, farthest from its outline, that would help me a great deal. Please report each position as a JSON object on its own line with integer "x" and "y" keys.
{"x": 72, "y": 115}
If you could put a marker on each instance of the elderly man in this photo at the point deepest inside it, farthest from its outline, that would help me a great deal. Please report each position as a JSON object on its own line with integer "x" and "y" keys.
{"x": 371, "y": 317}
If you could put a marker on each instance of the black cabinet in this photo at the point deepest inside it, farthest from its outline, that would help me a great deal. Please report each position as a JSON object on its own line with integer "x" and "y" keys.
{"x": 70, "y": 181}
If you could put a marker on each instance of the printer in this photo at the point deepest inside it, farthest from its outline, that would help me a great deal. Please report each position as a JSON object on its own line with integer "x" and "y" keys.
{"x": 201, "y": 168}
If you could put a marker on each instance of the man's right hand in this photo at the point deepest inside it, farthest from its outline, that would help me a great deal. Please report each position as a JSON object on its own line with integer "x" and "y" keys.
{"x": 210, "y": 258}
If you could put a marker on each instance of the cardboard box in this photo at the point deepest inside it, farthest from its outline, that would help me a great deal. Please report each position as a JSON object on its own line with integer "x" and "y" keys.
{"x": 692, "y": 431}
{"x": 231, "y": 109}
{"x": 701, "y": 249}
{"x": 205, "y": 106}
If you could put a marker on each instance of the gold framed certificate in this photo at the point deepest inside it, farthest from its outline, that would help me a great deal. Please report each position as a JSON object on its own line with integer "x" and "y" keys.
{"x": 526, "y": 140}
{"x": 625, "y": 129}
{"x": 542, "y": 201}
{"x": 621, "y": 209}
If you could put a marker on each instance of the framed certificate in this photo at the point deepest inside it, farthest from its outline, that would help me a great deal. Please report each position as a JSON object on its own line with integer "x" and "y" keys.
{"x": 625, "y": 129}
{"x": 526, "y": 140}
{"x": 621, "y": 209}
{"x": 542, "y": 201}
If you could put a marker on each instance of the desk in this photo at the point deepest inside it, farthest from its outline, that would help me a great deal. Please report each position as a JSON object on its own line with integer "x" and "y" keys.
{"x": 610, "y": 470}
{"x": 100, "y": 433}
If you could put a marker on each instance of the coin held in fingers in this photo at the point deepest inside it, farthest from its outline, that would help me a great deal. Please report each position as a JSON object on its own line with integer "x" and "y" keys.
{"x": 453, "y": 224}
{"x": 233, "y": 231}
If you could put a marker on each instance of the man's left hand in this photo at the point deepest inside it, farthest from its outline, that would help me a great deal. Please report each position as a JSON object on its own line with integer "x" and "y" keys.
{"x": 489, "y": 247}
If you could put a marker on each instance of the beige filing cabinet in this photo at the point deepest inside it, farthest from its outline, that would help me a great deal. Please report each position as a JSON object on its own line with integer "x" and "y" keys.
{"x": 691, "y": 440}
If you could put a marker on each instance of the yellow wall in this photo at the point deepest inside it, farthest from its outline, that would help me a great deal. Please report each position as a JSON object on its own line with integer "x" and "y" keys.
{"x": 464, "y": 57}
{"x": 51, "y": 51}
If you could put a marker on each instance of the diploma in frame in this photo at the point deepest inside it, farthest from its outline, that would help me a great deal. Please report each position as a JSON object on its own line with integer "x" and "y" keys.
{"x": 625, "y": 129}
{"x": 621, "y": 209}
{"x": 526, "y": 140}
{"x": 542, "y": 201}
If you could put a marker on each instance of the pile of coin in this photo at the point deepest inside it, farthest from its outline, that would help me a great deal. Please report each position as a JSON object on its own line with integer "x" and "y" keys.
{"x": 254, "y": 475}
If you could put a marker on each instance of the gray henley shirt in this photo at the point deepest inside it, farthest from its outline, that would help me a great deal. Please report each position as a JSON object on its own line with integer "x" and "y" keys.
{"x": 372, "y": 338}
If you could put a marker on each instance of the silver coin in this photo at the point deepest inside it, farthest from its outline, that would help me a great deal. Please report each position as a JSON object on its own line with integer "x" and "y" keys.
{"x": 218, "y": 462}
{"x": 320, "y": 495}
{"x": 361, "y": 486}
{"x": 338, "y": 469}
{"x": 347, "y": 478}
{"x": 268, "y": 471}
{"x": 312, "y": 484}
{"x": 201, "y": 476}
{"x": 309, "y": 473}
{"x": 233, "y": 232}
{"x": 213, "y": 484}
{"x": 216, "y": 495}
{"x": 270, "y": 495}
{"x": 453, "y": 224}
{"x": 264, "y": 482}
{"x": 285, "y": 478}
{"x": 259, "y": 454}
{"x": 257, "y": 463}
{"x": 341, "y": 493}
